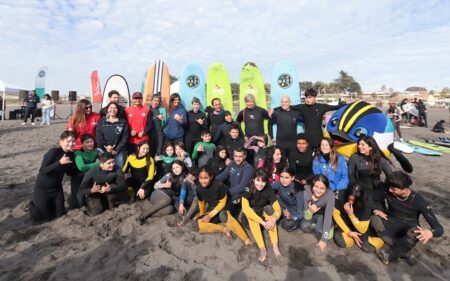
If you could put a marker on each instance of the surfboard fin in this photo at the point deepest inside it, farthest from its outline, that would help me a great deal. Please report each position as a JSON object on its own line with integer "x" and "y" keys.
{"x": 404, "y": 162}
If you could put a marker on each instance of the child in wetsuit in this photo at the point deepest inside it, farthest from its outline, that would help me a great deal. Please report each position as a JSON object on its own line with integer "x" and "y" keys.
{"x": 142, "y": 168}
{"x": 104, "y": 185}
{"x": 212, "y": 198}
{"x": 261, "y": 208}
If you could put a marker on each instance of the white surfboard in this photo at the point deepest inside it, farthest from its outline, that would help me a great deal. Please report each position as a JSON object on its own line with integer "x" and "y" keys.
{"x": 403, "y": 147}
{"x": 118, "y": 83}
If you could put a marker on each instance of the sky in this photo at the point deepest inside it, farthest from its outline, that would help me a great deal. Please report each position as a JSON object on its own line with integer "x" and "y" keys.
{"x": 395, "y": 43}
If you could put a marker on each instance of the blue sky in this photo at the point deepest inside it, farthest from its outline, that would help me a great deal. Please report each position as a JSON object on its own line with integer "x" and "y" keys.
{"x": 396, "y": 43}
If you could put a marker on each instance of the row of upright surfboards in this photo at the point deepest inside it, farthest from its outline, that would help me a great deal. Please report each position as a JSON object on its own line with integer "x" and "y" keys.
{"x": 192, "y": 83}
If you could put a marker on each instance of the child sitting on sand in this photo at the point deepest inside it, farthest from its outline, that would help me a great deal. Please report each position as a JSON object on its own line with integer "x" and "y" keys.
{"x": 104, "y": 186}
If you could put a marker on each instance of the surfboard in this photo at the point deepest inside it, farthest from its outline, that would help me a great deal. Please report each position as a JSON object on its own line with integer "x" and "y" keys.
{"x": 157, "y": 81}
{"x": 284, "y": 82}
{"x": 438, "y": 142}
{"x": 175, "y": 87}
{"x": 251, "y": 82}
{"x": 192, "y": 84}
{"x": 424, "y": 151}
{"x": 430, "y": 146}
{"x": 117, "y": 82}
{"x": 143, "y": 82}
{"x": 403, "y": 147}
{"x": 218, "y": 86}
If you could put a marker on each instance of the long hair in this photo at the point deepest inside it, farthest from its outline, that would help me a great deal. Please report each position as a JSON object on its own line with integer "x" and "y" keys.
{"x": 333, "y": 153}
{"x": 112, "y": 103}
{"x": 171, "y": 100}
{"x": 357, "y": 191}
{"x": 375, "y": 155}
{"x": 177, "y": 179}
{"x": 263, "y": 175}
{"x": 78, "y": 118}
{"x": 148, "y": 157}
{"x": 268, "y": 163}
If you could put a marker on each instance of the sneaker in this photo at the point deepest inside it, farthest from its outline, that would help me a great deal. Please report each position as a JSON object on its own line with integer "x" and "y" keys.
{"x": 32, "y": 124}
{"x": 400, "y": 139}
{"x": 24, "y": 123}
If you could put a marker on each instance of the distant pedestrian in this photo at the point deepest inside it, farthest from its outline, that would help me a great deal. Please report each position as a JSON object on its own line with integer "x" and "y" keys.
{"x": 47, "y": 106}
{"x": 31, "y": 101}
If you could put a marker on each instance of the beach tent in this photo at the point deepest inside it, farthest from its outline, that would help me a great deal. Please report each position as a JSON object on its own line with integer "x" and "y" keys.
{"x": 10, "y": 89}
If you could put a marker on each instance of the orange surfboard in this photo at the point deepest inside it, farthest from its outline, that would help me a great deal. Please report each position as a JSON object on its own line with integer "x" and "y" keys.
{"x": 157, "y": 81}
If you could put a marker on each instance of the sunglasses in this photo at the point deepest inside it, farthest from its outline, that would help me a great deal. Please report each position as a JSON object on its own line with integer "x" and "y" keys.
{"x": 88, "y": 107}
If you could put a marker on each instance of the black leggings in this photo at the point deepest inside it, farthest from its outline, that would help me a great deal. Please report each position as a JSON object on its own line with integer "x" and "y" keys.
{"x": 28, "y": 112}
{"x": 46, "y": 207}
{"x": 99, "y": 202}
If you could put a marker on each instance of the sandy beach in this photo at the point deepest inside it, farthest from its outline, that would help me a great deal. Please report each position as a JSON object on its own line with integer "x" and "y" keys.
{"x": 112, "y": 246}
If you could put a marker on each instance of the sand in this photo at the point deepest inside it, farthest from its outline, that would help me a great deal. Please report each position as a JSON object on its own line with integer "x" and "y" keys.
{"x": 112, "y": 246}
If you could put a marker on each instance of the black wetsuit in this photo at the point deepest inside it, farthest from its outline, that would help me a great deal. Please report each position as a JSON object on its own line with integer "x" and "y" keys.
{"x": 286, "y": 129}
{"x": 253, "y": 120}
{"x": 194, "y": 129}
{"x": 214, "y": 121}
{"x": 302, "y": 164}
{"x": 217, "y": 165}
{"x": 99, "y": 202}
{"x": 48, "y": 196}
{"x": 359, "y": 171}
{"x": 313, "y": 118}
{"x": 224, "y": 130}
{"x": 156, "y": 134}
{"x": 232, "y": 144}
{"x": 403, "y": 219}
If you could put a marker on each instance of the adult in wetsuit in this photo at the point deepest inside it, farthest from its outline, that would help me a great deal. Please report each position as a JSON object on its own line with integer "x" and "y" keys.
{"x": 261, "y": 208}
{"x": 196, "y": 124}
{"x": 312, "y": 114}
{"x": 301, "y": 159}
{"x": 212, "y": 198}
{"x": 216, "y": 116}
{"x": 114, "y": 96}
{"x": 353, "y": 219}
{"x": 159, "y": 121}
{"x": 238, "y": 173}
{"x": 48, "y": 196}
{"x": 399, "y": 227}
{"x": 104, "y": 186}
{"x": 286, "y": 120}
{"x": 253, "y": 117}
{"x": 365, "y": 166}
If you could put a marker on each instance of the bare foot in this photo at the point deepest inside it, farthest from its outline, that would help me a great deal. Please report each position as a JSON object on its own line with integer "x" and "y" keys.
{"x": 262, "y": 255}
{"x": 248, "y": 242}
{"x": 276, "y": 250}
{"x": 227, "y": 231}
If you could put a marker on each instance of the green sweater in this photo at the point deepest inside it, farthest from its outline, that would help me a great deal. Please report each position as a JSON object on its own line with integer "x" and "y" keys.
{"x": 208, "y": 152}
{"x": 86, "y": 160}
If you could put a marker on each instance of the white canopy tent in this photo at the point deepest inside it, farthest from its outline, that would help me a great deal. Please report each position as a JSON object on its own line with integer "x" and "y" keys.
{"x": 10, "y": 89}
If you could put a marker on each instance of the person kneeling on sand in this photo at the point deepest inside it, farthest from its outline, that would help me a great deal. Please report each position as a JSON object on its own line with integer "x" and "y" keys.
{"x": 104, "y": 186}
{"x": 48, "y": 195}
{"x": 399, "y": 227}
{"x": 212, "y": 198}
{"x": 261, "y": 208}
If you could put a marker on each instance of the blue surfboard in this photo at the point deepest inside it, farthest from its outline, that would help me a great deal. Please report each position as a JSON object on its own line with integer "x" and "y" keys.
{"x": 192, "y": 84}
{"x": 284, "y": 82}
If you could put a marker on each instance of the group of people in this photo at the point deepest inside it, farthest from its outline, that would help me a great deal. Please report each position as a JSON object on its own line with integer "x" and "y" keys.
{"x": 32, "y": 101}
{"x": 229, "y": 176}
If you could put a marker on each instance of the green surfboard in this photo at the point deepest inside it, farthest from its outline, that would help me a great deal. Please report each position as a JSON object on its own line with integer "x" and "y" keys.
{"x": 430, "y": 146}
{"x": 218, "y": 86}
{"x": 251, "y": 82}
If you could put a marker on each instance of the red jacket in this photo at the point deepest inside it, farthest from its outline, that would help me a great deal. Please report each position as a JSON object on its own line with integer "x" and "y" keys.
{"x": 91, "y": 123}
{"x": 139, "y": 120}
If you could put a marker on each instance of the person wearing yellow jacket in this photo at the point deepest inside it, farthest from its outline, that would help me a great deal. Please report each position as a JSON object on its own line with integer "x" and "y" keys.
{"x": 212, "y": 198}
{"x": 353, "y": 219}
{"x": 261, "y": 208}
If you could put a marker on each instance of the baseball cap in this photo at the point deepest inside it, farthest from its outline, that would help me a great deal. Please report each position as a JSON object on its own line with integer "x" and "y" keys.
{"x": 137, "y": 95}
